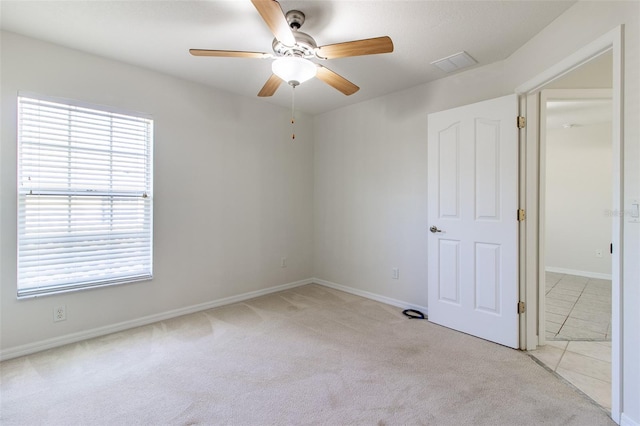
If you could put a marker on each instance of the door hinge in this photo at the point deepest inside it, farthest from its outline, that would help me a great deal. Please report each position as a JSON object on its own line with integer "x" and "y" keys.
{"x": 521, "y": 215}
{"x": 521, "y": 308}
{"x": 521, "y": 122}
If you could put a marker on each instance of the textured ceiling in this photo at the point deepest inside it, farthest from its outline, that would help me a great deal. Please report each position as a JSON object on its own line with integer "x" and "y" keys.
{"x": 157, "y": 35}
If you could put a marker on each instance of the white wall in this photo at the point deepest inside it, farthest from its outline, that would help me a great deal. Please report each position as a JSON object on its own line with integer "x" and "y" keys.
{"x": 370, "y": 167}
{"x": 578, "y": 200}
{"x": 595, "y": 74}
{"x": 371, "y": 181}
{"x": 233, "y": 193}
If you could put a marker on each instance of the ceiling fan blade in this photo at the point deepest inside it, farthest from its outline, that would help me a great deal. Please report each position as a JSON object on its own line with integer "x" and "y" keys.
{"x": 229, "y": 53}
{"x": 272, "y": 15}
{"x": 370, "y": 46}
{"x": 336, "y": 81}
{"x": 270, "y": 86}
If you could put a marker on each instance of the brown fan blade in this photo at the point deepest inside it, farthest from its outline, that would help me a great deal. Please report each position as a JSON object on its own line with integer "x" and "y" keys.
{"x": 370, "y": 46}
{"x": 336, "y": 81}
{"x": 270, "y": 86}
{"x": 272, "y": 15}
{"x": 229, "y": 53}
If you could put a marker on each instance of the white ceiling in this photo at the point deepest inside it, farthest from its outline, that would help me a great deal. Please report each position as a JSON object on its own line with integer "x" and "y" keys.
{"x": 578, "y": 113}
{"x": 157, "y": 35}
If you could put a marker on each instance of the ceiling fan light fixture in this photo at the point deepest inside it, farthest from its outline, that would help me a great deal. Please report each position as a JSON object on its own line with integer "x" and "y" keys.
{"x": 294, "y": 70}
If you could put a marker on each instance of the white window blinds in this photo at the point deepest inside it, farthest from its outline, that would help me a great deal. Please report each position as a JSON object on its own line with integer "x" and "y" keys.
{"x": 84, "y": 197}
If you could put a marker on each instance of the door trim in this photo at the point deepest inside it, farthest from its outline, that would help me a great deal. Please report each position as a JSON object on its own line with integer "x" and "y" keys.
{"x": 529, "y": 262}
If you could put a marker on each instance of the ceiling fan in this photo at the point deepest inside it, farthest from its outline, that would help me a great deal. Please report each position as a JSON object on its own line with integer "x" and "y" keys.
{"x": 293, "y": 50}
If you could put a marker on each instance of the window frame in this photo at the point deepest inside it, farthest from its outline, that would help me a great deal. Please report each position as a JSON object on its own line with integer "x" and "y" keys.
{"x": 110, "y": 201}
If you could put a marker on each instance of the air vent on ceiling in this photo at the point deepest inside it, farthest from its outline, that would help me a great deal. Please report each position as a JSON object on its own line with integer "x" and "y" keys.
{"x": 455, "y": 62}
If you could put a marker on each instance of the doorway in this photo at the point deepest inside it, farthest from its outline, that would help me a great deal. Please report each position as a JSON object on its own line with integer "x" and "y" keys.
{"x": 533, "y": 266}
{"x": 576, "y": 196}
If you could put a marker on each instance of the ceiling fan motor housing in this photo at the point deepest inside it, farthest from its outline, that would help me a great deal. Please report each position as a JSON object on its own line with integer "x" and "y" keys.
{"x": 305, "y": 46}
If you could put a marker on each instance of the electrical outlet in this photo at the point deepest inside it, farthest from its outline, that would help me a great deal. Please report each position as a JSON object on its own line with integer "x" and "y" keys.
{"x": 283, "y": 262}
{"x": 395, "y": 273}
{"x": 59, "y": 313}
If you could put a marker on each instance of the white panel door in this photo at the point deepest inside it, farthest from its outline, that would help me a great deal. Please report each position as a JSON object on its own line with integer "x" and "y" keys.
{"x": 473, "y": 201}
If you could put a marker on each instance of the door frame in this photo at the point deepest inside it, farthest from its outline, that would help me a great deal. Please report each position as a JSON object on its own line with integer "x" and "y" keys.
{"x": 531, "y": 288}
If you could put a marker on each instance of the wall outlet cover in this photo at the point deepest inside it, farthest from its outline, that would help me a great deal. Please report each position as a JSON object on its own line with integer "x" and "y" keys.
{"x": 59, "y": 313}
{"x": 395, "y": 273}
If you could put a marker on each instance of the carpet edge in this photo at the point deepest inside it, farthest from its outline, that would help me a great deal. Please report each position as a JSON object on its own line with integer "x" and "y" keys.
{"x": 66, "y": 339}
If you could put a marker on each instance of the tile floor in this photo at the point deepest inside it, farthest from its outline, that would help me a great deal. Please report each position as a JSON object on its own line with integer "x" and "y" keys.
{"x": 586, "y": 365}
{"x": 577, "y": 308}
{"x": 578, "y": 333}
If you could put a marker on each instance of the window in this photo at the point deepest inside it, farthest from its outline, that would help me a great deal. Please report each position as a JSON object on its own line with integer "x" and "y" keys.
{"x": 84, "y": 197}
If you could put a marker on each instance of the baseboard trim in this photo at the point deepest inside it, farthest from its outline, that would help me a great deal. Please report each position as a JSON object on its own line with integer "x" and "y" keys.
{"x": 626, "y": 421}
{"x": 42, "y": 345}
{"x": 586, "y": 274}
{"x": 372, "y": 296}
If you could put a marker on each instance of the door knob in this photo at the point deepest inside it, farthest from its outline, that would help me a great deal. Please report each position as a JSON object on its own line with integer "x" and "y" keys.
{"x": 434, "y": 229}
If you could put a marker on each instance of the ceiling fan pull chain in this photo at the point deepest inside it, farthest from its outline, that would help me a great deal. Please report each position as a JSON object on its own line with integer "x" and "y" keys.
{"x": 293, "y": 111}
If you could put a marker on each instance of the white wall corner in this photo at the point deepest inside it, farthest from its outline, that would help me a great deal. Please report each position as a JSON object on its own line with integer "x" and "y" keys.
{"x": 373, "y": 296}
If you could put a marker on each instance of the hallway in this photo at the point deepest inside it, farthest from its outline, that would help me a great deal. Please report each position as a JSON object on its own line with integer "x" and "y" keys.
{"x": 577, "y": 308}
{"x": 578, "y": 333}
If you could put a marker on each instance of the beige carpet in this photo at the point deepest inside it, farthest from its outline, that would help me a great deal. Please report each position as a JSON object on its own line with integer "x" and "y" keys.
{"x": 311, "y": 355}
